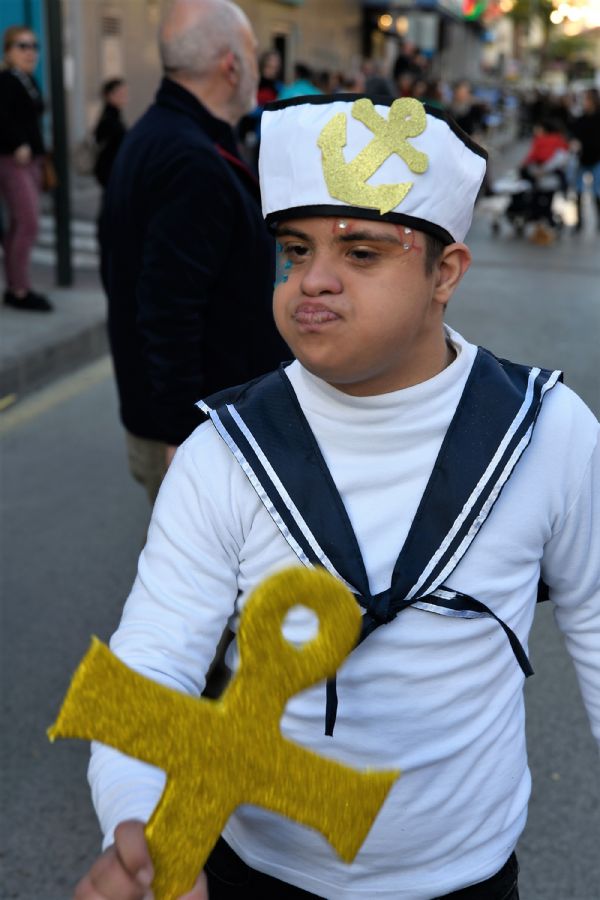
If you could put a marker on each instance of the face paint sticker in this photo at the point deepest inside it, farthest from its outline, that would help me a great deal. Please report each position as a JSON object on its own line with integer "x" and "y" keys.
{"x": 340, "y": 225}
{"x": 407, "y": 237}
{"x": 282, "y": 266}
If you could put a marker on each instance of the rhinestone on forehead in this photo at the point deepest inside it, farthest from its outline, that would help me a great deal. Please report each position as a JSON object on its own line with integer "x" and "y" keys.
{"x": 342, "y": 224}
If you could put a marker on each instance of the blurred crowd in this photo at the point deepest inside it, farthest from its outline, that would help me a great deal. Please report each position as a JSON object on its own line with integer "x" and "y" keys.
{"x": 565, "y": 141}
{"x": 564, "y": 128}
{"x": 410, "y": 76}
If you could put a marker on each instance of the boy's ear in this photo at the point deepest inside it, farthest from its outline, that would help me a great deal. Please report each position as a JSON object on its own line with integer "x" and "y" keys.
{"x": 452, "y": 265}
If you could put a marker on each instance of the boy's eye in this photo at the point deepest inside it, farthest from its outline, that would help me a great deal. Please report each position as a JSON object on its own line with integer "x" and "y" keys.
{"x": 295, "y": 251}
{"x": 363, "y": 254}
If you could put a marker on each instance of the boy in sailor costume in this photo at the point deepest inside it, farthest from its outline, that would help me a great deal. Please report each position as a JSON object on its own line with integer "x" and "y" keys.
{"x": 445, "y": 487}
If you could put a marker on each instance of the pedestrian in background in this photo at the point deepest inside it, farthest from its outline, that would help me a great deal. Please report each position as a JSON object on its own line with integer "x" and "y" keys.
{"x": 409, "y": 61}
{"x": 376, "y": 82}
{"x": 269, "y": 85}
{"x": 187, "y": 262}
{"x": 22, "y": 157}
{"x": 111, "y": 129}
{"x": 586, "y": 131}
{"x": 433, "y": 94}
{"x": 466, "y": 110}
{"x": 545, "y": 168}
{"x": 548, "y": 140}
{"x": 303, "y": 84}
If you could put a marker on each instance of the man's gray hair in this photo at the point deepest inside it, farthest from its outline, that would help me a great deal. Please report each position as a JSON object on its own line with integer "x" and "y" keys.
{"x": 196, "y": 49}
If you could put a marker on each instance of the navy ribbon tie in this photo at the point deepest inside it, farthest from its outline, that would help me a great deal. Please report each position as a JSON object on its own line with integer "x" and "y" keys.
{"x": 380, "y": 613}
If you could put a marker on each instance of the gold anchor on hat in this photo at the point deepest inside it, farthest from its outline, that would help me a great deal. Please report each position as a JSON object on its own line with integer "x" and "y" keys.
{"x": 220, "y": 754}
{"x": 347, "y": 181}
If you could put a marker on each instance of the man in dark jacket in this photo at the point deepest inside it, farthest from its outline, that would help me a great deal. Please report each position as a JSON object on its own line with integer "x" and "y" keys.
{"x": 186, "y": 261}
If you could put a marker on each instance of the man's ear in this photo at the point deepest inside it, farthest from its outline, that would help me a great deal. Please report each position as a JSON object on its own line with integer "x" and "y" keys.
{"x": 230, "y": 67}
{"x": 451, "y": 266}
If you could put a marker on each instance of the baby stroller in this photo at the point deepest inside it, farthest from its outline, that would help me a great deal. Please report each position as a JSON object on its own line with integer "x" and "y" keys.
{"x": 530, "y": 196}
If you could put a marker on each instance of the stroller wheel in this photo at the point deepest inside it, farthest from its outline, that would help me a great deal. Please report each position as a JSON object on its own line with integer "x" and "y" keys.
{"x": 495, "y": 228}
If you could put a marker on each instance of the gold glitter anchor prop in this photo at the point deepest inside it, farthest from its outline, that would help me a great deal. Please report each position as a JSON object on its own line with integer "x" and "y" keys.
{"x": 347, "y": 181}
{"x": 218, "y": 754}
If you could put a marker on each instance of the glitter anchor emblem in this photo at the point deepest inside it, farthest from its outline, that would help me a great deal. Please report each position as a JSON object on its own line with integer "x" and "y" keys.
{"x": 220, "y": 754}
{"x": 347, "y": 181}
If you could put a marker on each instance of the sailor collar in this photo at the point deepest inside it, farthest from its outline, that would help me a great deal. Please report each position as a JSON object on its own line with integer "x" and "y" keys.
{"x": 264, "y": 427}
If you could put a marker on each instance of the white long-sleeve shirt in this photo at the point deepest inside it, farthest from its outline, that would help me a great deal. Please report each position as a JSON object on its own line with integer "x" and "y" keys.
{"x": 438, "y": 697}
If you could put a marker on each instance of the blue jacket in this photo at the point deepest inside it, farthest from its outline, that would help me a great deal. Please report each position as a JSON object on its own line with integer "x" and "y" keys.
{"x": 187, "y": 265}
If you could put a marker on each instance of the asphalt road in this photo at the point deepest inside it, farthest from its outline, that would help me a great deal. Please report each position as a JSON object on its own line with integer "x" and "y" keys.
{"x": 73, "y": 524}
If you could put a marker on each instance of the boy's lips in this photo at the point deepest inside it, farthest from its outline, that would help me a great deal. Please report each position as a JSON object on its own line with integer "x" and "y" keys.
{"x": 314, "y": 314}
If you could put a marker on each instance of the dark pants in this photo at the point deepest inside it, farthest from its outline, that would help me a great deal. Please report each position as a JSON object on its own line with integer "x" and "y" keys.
{"x": 229, "y": 878}
{"x": 20, "y": 187}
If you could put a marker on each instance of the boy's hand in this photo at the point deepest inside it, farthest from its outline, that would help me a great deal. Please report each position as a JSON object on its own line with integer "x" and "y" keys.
{"x": 23, "y": 154}
{"x": 125, "y": 872}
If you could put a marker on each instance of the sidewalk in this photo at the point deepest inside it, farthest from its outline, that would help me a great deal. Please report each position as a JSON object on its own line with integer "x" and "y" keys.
{"x": 36, "y": 348}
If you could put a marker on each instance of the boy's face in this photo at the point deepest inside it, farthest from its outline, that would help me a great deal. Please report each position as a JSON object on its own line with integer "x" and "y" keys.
{"x": 356, "y": 306}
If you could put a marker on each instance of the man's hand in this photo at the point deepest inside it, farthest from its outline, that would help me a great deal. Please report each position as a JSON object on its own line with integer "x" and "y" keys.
{"x": 170, "y": 454}
{"x": 23, "y": 154}
{"x": 125, "y": 871}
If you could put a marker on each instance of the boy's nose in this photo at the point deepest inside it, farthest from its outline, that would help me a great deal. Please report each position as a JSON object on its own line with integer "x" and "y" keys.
{"x": 320, "y": 277}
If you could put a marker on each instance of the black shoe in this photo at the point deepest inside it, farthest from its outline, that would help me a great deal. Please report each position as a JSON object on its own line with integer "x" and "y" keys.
{"x": 31, "y": 301}
{"x": 41, "y": 299}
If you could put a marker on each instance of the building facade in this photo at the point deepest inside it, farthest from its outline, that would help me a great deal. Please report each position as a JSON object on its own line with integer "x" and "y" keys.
{"x": 105, "y": 39}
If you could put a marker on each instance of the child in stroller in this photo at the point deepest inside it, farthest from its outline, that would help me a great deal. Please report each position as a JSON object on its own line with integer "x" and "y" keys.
{"x": 542, "y": 174}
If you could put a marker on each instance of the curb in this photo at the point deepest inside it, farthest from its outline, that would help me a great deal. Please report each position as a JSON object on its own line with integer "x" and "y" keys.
{"x": 42, "y": 365}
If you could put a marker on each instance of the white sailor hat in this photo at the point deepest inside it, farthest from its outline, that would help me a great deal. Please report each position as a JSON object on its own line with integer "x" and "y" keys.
{"x": 394, "y": 161}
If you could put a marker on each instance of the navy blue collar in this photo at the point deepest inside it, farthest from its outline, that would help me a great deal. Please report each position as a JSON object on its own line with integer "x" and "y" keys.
{"x": 499, "y": 404}
{"x": 173, "y": 96}
{"x": 264, "y": 427}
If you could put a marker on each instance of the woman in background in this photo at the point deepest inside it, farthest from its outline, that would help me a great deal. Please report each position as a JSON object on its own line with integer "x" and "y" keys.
{"x": 110, "y": 130}
{"x": 586, "y": 131}
{"x": 22, "y": 155}
{"x": 269, "y": 85}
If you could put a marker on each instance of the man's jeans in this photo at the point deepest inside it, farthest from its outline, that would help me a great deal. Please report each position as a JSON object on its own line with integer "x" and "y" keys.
{"x": 147, "y": 462}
